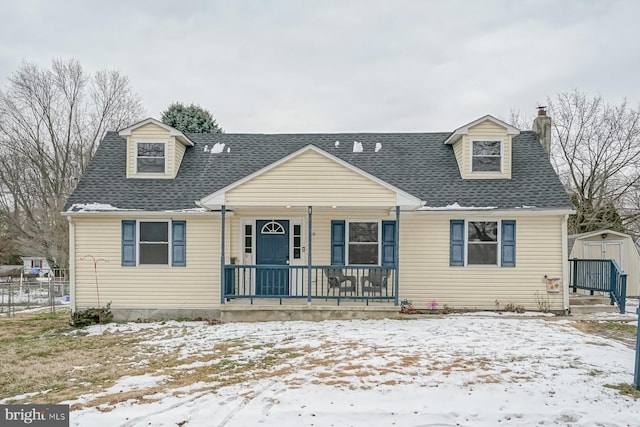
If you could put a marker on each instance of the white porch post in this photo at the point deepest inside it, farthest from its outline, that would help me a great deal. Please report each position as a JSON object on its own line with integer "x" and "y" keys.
{"x": 223, "y": 212}
{"x": 309, "y": 258}
{"x": 397, "y": 253}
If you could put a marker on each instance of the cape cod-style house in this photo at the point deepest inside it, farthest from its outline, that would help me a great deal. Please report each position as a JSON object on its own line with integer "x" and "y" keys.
{"x": 249, "y": 226}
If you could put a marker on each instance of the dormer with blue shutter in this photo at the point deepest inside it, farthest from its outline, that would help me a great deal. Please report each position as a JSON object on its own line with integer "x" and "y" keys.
{"x": 154, "y": 150}
{"x": 483, "y": 148}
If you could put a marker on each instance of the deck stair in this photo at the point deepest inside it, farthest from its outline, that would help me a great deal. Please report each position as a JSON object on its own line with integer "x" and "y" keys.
{"x": 598, "y": 277}
{"x": 585, "y": 303}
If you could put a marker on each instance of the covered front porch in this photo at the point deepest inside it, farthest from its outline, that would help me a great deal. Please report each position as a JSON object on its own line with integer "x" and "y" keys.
{"x": 309, "y": 228}
{"x": 333, "y": 257}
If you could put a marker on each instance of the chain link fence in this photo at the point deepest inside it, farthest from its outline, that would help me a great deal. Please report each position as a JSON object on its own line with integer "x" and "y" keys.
{"x": 29, "y": 292}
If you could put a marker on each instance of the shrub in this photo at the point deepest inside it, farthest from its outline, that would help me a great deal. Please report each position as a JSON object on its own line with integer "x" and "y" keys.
{"x": 514, "y": 308}
{"x": 92, "y": 316}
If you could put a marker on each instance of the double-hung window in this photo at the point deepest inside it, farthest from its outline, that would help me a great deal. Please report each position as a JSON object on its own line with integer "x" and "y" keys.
{"x": 150, "y": 157}
{"x": 482, "y": 243}
{"x": 486, "y": 156}
{"x": 477, "y": 242}
{"x": 146, "y": 242}
{"x": 154, "y": 242}
{"x": 364, "y": 243}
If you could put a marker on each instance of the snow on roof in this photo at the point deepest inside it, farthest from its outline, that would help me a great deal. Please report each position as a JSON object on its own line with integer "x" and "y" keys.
{"x": 378, "y": 147}
{"x": 455, "y": 206}
{"x": 357, "y": 147}
{"x": 92, "y": 207}
{"x": 217, "y": 148}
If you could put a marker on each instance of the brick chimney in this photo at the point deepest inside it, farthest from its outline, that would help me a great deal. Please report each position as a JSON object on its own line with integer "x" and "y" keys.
{"x": 542, "y": 128}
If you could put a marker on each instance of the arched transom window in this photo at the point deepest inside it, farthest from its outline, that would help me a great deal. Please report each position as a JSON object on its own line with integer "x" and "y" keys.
{"x": 272, "y": 227}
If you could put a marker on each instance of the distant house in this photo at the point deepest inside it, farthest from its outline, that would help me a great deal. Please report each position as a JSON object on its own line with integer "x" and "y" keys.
{"x": 302, "y": 225}
{"x": 35, "y": 265}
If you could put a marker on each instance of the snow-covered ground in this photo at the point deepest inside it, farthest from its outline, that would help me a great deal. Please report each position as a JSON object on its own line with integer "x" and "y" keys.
{"x": 451, "y": 371}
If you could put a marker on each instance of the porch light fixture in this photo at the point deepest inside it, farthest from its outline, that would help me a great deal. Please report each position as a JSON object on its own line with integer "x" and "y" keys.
{"x": 334, "y": 207}
{"x": 288, "y": 206}
{"x": 604, "y": 235}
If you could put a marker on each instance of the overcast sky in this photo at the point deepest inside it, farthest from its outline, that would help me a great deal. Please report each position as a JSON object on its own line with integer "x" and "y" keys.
{"x": 334, "y": 66}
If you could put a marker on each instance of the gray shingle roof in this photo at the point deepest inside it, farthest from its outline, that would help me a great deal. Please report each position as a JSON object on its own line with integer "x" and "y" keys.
{"x": 418, "y": 163}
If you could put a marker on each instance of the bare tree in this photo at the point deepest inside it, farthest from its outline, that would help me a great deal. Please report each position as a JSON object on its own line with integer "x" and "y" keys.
{"x": 596, "y": 153}
{"x": 51, "y": 121}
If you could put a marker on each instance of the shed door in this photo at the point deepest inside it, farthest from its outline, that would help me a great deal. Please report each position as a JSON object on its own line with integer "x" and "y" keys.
{"x": 605, "y": 250}
{"x": 613, "y": 250}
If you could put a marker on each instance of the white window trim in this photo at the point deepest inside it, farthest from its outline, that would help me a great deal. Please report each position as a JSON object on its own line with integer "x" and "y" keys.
{"x": 472, "y": 140}
{"x": 348, "y": 242}
{"x": 498, "y": 241}
{"x": 135, "y": 147}
{"x": 169, "y": 242}
{"x": 292, "y": 260}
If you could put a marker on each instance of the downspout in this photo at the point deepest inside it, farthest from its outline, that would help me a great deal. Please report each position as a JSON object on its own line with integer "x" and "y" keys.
{"x": 397, "y": 256}
{"x": 223, "y": 211}
{"x": 72, "y": 264}
{"x": 309, "y": 254}
{"x": 565, "y": 266}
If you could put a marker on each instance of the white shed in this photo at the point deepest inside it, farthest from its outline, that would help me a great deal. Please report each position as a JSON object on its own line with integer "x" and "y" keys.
{"x": 608, "y": 244}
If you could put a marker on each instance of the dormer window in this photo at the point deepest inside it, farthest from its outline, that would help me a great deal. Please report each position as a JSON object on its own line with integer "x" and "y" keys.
{"x": 151, "y": 157}
{"x": 486, "y": 156}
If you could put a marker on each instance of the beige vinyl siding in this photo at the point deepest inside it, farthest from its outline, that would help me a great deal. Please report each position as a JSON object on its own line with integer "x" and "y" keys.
{"x": 152, "y": 133}
{"x": 425, "y": 273}
{"x": 310, "y": 179}
{"x": 192, "y": 287}
{"x": 486, "y": 130}
{"x": 458, "y": 152}
{"x": 177, "y": 157}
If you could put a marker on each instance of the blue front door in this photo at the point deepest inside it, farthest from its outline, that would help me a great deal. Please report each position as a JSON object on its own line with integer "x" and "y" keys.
{"x": 272, "y": 250}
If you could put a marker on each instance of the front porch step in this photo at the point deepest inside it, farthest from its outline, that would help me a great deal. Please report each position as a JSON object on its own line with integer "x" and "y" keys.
{"x": 263, "y": 311}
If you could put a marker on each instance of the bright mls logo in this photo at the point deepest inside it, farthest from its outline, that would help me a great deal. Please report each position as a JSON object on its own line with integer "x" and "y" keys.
{"x": 34, "y": 415}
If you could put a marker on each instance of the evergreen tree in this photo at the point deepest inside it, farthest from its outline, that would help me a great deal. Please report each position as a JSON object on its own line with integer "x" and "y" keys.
{"x": 593, "y": 218}
{"x": 190, "y": 118}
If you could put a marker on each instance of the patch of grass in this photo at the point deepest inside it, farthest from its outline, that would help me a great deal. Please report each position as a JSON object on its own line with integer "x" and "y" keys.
{"x": 595, "y": 372}
{"x": 620, "y": 331}
{"x": 625, "y": 389}
{"x": 620, "y": 326}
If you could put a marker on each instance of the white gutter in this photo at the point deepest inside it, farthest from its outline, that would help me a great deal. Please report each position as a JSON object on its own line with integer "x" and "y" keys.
{"x": 565, "y": 265}
{"x": 492, "y": 212}
{"x": 72, "y": 264}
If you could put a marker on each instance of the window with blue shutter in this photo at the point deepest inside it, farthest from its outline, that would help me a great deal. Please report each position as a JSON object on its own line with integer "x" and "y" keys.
{"x": 508, "y": 243}
{"x": 388, "y": 243}
{"x": 456, "y": 253}
{"x": 128, "y": 243}
{"x": 179, "y": 243}
{"x": 337, "y": 242}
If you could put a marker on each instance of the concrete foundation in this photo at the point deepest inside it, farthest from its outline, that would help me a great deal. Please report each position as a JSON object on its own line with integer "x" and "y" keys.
{"x": 266, "y": 313}
{"x": 129, "y": 314}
